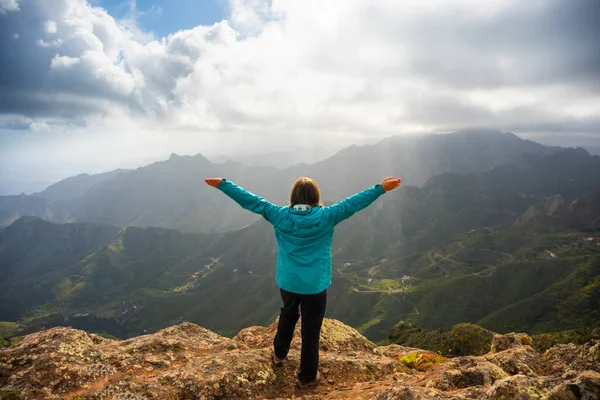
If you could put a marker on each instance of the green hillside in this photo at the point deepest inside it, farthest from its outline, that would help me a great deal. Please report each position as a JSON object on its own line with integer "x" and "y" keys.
{"x": 491, "y": 248}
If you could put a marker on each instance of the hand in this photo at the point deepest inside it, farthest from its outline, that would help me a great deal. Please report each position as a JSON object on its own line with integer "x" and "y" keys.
{"x": 390, "y": 183}
{"x": 214, "y": 182}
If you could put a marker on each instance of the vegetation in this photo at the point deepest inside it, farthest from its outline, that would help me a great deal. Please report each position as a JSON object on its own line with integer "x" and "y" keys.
{"x": 9, "y": 394}
{"x": 7, "y": 333}
{"x": 421, "y": 361}
{"x": 462, "y": 340}
{"x": 500, "y": 249}
{"x": 471, "y": 339}
{"x": 7, "y": 328}
{"x": 544, "y": 341}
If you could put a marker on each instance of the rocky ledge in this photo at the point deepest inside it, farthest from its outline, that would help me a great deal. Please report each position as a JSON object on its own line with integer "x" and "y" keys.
{"x": 189, "y": 362}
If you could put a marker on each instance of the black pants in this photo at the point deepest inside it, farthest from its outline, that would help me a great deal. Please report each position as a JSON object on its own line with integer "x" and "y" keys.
{"x": 312, "y": 307}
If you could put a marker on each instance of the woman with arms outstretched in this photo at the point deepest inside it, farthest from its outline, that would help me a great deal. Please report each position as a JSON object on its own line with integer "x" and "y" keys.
{"x": 304, "y": 231}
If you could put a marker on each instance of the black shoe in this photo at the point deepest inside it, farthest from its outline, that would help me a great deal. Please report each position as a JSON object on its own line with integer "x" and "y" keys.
{"x": 276, "y": 360}
{"x": 312, "y": 383}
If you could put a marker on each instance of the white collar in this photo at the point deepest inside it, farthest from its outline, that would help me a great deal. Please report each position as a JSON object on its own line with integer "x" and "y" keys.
{"x": 301, "y": 207}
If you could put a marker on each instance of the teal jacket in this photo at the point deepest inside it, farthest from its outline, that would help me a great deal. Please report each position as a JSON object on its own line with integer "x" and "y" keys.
{"x": 303, "y": 236}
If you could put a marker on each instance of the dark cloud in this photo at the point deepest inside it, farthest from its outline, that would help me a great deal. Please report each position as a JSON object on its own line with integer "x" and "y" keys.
{"x": 452, "y": 113}
{"x": 59, "y": 105}
{"x": 73, "y": 59}
{"x": 23, "y": 65}
{"x": 529, "y": 44}
{"x": 29, "y": 85}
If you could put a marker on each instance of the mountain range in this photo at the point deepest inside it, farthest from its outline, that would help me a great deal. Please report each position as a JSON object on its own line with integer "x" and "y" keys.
{"x": 171, "y": 193}
{"x": 511, "y": 246}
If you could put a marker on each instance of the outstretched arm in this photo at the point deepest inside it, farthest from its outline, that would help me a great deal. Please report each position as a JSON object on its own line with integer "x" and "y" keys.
{"x": 244, "y": 198}
{"x": 353, "y": 204}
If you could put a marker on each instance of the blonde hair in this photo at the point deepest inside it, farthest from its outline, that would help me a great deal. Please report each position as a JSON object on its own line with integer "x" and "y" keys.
{"x": 305, "y": 191}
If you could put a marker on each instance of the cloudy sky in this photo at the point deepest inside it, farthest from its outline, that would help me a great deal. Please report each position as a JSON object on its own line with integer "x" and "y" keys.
{"x": 87, "y": 86}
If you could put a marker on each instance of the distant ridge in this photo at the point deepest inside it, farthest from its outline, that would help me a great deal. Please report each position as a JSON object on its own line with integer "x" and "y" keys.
{"x": 171, "y": 193}
{"x": 72, "y": 187}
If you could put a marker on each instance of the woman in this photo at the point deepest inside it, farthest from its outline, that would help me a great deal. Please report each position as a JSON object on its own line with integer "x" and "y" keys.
{"x": 304, "y": 231}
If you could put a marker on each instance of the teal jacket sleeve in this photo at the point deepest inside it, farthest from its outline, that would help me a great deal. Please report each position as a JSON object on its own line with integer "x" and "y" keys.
{"x": 250, "y": 201}
{"x": 353, "y": 204}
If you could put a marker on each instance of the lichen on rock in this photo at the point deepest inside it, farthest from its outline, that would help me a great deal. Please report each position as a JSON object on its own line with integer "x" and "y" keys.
{"x": 516, "y": 387}
{"x": 509, "y": 341}
{"x": 335, "y": 337}
{"x": 462, "y": 372}
{"x": 189, "y": 362}
{"x": 519, "y": 360}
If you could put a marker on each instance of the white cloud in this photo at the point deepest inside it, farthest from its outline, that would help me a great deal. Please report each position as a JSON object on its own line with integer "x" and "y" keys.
{"x": 249, "y": 16}
{"x": 50, "y": 27}
{"x": 8, "y": 5}
{"x": 282, "y": 71}
{"x": 63, "y": 62}
{"x": 46, "y": 44}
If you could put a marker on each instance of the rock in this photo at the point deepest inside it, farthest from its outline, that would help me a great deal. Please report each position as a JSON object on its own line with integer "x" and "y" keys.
{"x": 516, "y": 387}
{"x": 57, "y": 361}
{"x": 572, "y": 357}
{"x": 404, "y": 392}
{"x": 396, "y": 351}
{"x": 462, "y": 372}
{"x": 510, "y": 340}
{"x": 187, "y": 361}
{"x": 519, "y": 360}
{"x": 588, "y": 357}
{"x": 335, "y": 336}
{"x": 408, "y": 393}
{"x": 586, "y": 386}
{"x": 570, "y": 374}
{"x": 565, "y": 392}
{"x": 413, "y": 358}
{"x": 562, "y": 355}
{"x": 589, "y": 382}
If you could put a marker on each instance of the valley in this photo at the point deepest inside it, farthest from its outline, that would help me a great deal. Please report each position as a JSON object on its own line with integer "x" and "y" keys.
{"x": 506, "y": 248}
